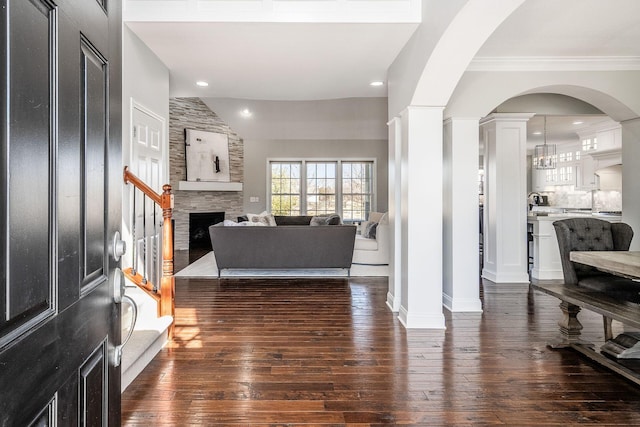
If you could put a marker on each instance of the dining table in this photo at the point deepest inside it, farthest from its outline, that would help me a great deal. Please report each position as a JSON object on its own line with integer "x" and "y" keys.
{"x": 621, "y": 263}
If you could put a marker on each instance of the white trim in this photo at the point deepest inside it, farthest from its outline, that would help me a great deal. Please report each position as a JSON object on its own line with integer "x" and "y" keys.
{"x": 209, "y": 186}
{"x": 462, "y": 305}
{"x": 338, "y": 11}
{"x": 555, "y": 63}
{"x": 133, "y": 104}
{"x": 511, "y": 277}
{"x": 491, "y": 287}
{"x": 424, "y": 321}
{"x": 393, "y": 302}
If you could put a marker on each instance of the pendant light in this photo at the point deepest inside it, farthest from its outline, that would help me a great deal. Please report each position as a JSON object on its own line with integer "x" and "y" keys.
{"x": 544, "y": 156}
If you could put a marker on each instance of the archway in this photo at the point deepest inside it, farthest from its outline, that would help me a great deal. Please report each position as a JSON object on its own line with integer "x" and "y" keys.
{"x": 478, "y": 94}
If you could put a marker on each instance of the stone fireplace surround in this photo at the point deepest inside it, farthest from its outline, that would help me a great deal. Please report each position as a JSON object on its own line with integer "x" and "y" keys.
{"x": 192, "y": 113}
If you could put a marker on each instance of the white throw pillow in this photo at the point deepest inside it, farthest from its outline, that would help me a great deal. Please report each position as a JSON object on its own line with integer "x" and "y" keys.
{"x": 265, "y": 218}
{"x": 375, "y": 216}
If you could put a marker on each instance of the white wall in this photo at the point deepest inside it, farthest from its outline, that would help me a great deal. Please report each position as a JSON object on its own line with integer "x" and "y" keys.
{"x": 146, "y": 80}
{"x": 479, "y": 92}
{"x": 406, "y": 70}
{"x": 631, "y": 178}
{"x": 337, "y": 119}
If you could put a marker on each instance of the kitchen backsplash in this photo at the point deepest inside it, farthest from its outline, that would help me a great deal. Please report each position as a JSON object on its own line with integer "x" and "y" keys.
{"x": 602, "y": 200}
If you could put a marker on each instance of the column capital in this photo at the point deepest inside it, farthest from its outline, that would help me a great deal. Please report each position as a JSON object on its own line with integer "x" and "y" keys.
{"x": 506, "y": 117}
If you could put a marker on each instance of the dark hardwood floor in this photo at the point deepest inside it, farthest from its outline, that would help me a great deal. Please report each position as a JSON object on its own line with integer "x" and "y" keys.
{"x": 329, "y": 352}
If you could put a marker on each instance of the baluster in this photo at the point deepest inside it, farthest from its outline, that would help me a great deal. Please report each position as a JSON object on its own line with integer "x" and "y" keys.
{"x": 134, "y": 259}
{"x": 154, "y": 251}
{"x": 144, "y": 238}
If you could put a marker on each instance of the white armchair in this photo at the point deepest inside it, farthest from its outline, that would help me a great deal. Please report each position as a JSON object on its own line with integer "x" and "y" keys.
{"x": 373, "y": 251}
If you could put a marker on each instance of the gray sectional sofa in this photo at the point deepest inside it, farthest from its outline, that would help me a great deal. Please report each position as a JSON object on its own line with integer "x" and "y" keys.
{"x": 283, "y": 247}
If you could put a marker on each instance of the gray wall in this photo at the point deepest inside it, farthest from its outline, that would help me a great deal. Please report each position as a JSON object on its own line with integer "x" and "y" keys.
{"x": 257, "y": 152}
{"x": 145, "y": 80}
{"x": 351, "y": 128}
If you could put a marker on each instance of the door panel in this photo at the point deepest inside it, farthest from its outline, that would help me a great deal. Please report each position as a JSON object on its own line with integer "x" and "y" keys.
{"x": 26, "y": 246}
{"x": 60, "y": 180}
{"x": 94, "y": 138}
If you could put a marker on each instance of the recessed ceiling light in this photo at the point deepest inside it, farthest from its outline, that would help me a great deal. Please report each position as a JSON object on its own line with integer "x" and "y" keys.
{"x": 246, "y": 113}
{"x": 578, "y": 122}
{"x": 202, "y": 83}
{"x": 377, "y": 83}
{"x": 537, "y": 133}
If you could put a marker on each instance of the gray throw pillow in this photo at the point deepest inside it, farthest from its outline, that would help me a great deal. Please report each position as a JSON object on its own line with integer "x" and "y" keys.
{"x": 328, "y": 219}
{"x": 370, "y": 230}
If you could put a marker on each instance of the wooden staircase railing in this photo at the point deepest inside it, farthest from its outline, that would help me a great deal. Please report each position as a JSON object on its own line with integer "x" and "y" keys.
{"x": 163, "y": 294}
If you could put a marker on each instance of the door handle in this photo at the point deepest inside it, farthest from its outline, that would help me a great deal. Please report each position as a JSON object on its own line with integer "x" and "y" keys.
{"x": 134, "y": 317}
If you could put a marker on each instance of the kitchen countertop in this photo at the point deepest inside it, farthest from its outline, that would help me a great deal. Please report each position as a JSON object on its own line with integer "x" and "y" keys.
{"x": 544, "y": 216}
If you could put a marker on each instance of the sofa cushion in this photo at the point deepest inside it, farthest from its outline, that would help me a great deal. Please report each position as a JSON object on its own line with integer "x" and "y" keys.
{"x": 364, "y": 244}
{"x": 292, "y": 220}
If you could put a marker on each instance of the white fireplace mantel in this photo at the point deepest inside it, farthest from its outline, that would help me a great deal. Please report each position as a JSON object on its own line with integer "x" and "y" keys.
{"x": 209, "y": 186}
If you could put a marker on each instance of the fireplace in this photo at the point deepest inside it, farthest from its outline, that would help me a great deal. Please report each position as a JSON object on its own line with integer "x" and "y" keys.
{"x": 199, "y": 223}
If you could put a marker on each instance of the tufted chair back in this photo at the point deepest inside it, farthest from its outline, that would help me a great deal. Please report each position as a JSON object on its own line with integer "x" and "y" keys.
{"x": 588, "y": 234}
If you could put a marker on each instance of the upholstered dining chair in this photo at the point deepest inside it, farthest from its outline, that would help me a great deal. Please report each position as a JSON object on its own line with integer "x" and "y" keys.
{"x": 593, "y": 234}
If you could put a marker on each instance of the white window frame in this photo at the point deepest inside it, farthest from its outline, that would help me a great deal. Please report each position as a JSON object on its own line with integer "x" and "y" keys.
{"x": 303, "y": 178}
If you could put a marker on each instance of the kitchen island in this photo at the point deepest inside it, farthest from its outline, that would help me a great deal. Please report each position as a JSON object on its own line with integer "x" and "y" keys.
{"x": 546, "y": 255}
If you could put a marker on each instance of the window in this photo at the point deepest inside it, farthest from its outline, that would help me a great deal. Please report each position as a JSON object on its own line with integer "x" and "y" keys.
{"x": 285, "y": 188}
{"x": 311, "y": 187}
{"x": 321, "y": 188}
{"x": 357, "y": 190}
{"x": 589, "y": 144}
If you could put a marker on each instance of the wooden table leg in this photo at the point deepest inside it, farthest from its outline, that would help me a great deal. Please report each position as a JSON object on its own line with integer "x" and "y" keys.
{"x": 608, "y": 330}
{"x": 570, "y": 327}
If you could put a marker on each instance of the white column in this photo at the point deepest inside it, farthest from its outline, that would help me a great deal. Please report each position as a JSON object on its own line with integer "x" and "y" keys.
{"x": 461, "y": 290}
{"x": 630, "y": 181}
{"x": 395, "y": 206}
{"x": 421, "y": 225}
{"x": 505, "y": 206}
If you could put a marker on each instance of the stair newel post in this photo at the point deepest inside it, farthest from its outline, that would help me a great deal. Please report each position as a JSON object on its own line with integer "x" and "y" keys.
{"x": 167, "y": 285}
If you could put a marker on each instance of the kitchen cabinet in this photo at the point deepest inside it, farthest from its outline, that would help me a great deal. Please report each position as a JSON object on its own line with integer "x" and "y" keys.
{"x": 601, "y": 148}
{"x": 609, "y": 140}
{"x": 586, "y": 178}
{"x": 610, "y": 178}
{"x": 546, "y": 255}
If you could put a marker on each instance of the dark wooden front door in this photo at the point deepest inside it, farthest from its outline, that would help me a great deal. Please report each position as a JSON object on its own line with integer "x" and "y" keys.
{"x": 60, "y": 181}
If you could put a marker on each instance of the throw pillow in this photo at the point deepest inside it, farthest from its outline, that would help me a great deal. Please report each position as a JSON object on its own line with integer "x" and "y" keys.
{"x": 375, "y": 216}
{"x": 334, "y": 219}
{"x": 265, "y": 218}
{"x": 370, "y": 230}
{"x": 318, "y": 220}
{"x": 329, "y": 219}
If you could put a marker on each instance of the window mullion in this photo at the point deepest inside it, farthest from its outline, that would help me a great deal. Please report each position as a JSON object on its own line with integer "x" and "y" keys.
{"x": 339, "y": 189}
{"x": 303, "y": 187}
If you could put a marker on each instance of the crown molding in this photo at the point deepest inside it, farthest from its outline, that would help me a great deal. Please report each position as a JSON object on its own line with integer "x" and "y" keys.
{"x": 555, "y": 63}
{"x": 309, "y": 11}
